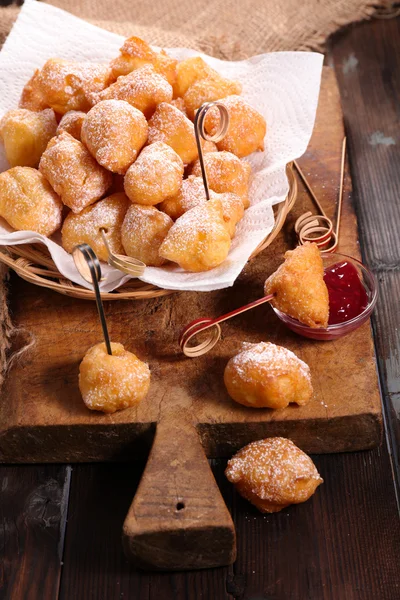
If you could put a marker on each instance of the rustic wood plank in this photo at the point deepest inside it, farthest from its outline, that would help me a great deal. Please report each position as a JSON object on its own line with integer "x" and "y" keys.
{"x": 46, "y": 420}
{"x": 94, "y": 563}
{"x": 33, "y": 513}
{"x": 386, "y": 325}
{"x": 343, "y": 543}
{"x": 367, "y": 63}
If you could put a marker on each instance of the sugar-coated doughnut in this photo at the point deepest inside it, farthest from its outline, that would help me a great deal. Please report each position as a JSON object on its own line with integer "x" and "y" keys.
{"x": 143, "y": 231}
{"x": 73, "y": 172}
{"x": 109, "y": 383}
{"x": 189, "y": 71}
{"x": 72, "y": 122}
{"x": 28, "y": 202}
{"x": 169, "y": 125}
{"x": 25, "y": 135}
{"x": 246, "y": 131}
{"x": 136, "y": 53}
{"x": 179, "y": 103}
{"x": 272, "y": 474}
{"x": 232, "y": 209}
{"x": 190, "y": 194}
{"x": 144, "y": 88}
{"x": 299, "y": 288}
{"x": 198, "y": 240}
{"x": 226, "y": 173}
{"x": 85, "y": 227}
{"x": 267, "y": 376}
{"x": 114, "y": 132}
{"x": 209, "y": 89}
{"x": 155, "y": 175}
{"x": 65, "y": 85}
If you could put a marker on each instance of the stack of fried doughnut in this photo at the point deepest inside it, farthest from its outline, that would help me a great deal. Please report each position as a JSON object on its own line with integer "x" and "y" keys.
{"x": 115, "y": 144}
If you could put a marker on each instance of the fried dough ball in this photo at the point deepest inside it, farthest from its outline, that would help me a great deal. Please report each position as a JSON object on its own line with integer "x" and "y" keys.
{"x": 246, "y": 131}
{"x": 72, "y": 122}
{"x": 207, "y": 90}
{"x": 28, "y": 202}
{"x": 179, "y": 103}
{"x": 136, "y": 53}
{"x": 226, "y": 173}
{"x": 32, "y": 97}
{"x": 114, "y": 133}
{"x": 267, "y": 376}
{"x": 143, "y": 89}
{"x": 65, "y": 85}
{"x": 25, "y": 135}
{"x": 169, "y": 125}
{"x": 156, "y": 175}
{"x": 199, "y": 240}
{"x": 272, "y": 474}
{"x": 232, "y": 209}
{"x": 73, "y": 172}
{"x": 109, "y": 383}
{"x": 299, "y": 288}
{"x": 191, "y": 194}
{"x": 143, "y": 231}
{"x": 85, "y": 228}
{"x": 190, "y": 70}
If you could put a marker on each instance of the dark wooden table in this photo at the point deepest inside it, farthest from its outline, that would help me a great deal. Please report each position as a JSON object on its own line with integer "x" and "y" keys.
{"x": 60, "y": 525}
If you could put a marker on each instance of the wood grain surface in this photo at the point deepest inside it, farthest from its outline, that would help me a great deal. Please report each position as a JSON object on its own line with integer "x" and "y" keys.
{"x": 46, "y": 420}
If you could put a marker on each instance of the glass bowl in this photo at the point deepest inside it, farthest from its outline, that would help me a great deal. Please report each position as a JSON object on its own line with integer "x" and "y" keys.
{"x": 332, "y": 332}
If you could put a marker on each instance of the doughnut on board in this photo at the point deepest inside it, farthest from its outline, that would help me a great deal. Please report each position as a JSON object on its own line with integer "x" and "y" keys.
{"x": 178, "y": 519}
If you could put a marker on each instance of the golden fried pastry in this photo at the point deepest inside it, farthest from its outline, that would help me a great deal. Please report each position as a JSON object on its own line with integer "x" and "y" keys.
{"x": 206, "y": 90}
{"x": 136, "y": 53}
{"x": 272, "y": 474}
{"x": 143, "y": 231}
{"x": 226, "y": 173}
{"x": 143, "y": 89}
{"x": 114, "y": 132}
{"x": 246, "y": 131}
{"x": 32, "y": 97}
{"x": 73, "y": 172}
{"x": 190, "y": 70}
{"x": 72, "y": 122}
{"x": 28, "y": 202}
{"x": 169, "y": 125}
{"x": 179, "y": 103}
{"x": 109, "y": 383}
{"x": 232, "y": 210}
{"x": 156, "y": 175}
{"x": 65, "y": 85}
{"x": 198, "y": 240}
{"x": 25, "y": 135}
{"x": 190, "y": 194}
{"x": 85, "y": 228}
{"x": 299, "y": 288}
{"x": 267, "y": 376}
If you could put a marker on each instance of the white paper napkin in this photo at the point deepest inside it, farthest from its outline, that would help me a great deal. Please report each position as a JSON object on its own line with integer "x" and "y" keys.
{"x": 282, "y": 86}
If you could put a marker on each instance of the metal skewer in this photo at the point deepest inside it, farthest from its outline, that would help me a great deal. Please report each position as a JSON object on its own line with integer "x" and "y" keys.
{"x": 200, "y": 132}
{"x": 319, "y": 228}
{"x": 126, "y": 264}
{"x": 89, "y": 268}
{"x": 200, "y": 325}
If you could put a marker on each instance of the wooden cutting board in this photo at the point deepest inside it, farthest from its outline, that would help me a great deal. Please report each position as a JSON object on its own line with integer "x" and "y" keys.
{"x": 178, "y": 518}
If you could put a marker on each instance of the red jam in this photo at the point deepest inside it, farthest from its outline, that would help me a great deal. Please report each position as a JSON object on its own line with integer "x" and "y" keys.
{"x": 347, "y": 295}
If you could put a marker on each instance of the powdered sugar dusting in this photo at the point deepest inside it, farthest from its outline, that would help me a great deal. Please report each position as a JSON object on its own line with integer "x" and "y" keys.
{"x": 275, "y": 470}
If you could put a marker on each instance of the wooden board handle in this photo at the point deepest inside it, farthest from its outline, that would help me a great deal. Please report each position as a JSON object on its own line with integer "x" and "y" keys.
{"x": 178, "y": 519}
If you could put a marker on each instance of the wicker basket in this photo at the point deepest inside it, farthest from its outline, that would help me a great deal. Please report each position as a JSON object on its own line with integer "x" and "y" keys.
{"x": 33, "y": 262}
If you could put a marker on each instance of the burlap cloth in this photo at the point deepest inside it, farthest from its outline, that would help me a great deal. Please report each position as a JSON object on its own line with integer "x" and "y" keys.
{"x": 229, "y": 29}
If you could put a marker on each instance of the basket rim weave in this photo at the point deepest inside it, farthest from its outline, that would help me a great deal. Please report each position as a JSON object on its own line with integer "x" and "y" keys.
{"x": 33, "y": 262}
